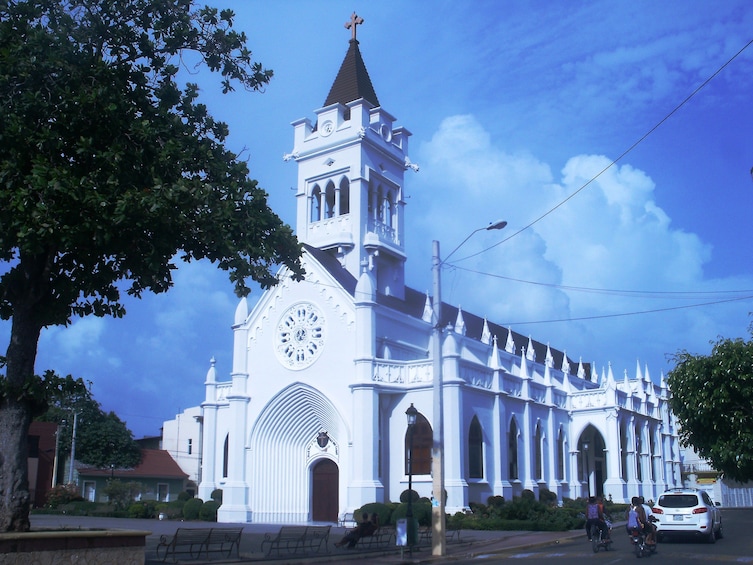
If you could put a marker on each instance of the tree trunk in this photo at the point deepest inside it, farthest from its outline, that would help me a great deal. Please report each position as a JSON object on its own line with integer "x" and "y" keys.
{"x": 15, "y": 417}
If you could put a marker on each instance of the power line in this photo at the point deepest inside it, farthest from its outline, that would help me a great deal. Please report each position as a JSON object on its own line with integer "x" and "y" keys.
{"x": 664, "y": 294}
{"x": 623, "y": 154}
{"x": 622, "y": 314}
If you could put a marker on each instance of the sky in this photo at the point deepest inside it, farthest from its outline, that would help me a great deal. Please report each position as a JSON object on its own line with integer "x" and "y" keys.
{"x": 613, "y": 137}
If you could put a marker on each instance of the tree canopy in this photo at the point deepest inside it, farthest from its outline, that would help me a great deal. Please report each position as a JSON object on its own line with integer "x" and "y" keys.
{"x": 712, "y": 396}
{"x": 110, "y": 172}
{"x": 102, "y": 439}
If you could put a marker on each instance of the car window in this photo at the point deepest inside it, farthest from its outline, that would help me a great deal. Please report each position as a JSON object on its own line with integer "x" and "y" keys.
{"x": 678, "y": 500}
{"x": 707, "y": 499}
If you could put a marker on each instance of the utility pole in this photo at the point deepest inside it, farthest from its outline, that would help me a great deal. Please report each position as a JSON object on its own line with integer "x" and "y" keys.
{"x": 73, "y": 448}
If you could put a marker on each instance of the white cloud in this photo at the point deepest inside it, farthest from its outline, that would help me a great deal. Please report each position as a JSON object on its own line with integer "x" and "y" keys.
{"x": 611, "y": 235}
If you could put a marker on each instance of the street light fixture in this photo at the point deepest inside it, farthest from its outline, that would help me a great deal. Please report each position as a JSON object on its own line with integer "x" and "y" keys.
{"x": 411, "y": 414}
{"x": 438, "y": 526}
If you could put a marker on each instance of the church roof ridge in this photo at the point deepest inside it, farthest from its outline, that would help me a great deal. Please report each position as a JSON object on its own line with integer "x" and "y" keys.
{"x": 352, "y": 81}
{"x": 414, "y": 304}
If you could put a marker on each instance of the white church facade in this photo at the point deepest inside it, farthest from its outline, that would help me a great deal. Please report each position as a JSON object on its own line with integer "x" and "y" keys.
{"x": 311, "y": 420}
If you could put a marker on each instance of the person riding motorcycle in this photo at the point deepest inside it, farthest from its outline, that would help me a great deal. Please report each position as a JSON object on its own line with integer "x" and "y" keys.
{"x": 650, "y": 528}
{"x": 595, "y": 516}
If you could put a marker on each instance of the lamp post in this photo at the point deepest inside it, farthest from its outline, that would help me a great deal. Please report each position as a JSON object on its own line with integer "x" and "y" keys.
{"x": 585, "y": 468}
{"x": 411, "y": 414}
{"x": 438, "y": 527}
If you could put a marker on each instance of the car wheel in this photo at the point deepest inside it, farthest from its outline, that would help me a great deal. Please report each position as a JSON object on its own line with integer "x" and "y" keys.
{"x": 720, "y": 531}
{"x": 712, "y": 535}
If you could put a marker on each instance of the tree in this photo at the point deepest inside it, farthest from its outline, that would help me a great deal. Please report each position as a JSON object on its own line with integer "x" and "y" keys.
{"x": 110, "y": 173}
{"x": 711, "y": 396}
{"x": 102, "y": 439}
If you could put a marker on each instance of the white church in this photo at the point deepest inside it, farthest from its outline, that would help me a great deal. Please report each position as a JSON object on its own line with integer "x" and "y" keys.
{"x": 311, "y": 421}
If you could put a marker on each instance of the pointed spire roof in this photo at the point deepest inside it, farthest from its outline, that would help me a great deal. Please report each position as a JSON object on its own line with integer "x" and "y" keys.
{"x": 510, "y": 343}
{"x": 428, "y": 310}
{"x": 460, "y": 322}
{"x": 352, "y": 81}
{"x": 486, "y": 335}
{"x": 494, "y": 361}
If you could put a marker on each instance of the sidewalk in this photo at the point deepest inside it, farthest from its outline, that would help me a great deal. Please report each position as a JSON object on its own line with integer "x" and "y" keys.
{"x": 472, "y": 542}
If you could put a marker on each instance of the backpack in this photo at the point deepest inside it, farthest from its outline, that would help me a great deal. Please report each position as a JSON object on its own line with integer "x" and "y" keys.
{"x": 633, "y": 521}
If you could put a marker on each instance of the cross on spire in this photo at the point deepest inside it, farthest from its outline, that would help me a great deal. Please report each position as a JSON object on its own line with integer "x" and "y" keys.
{"x": 351, "y": 24}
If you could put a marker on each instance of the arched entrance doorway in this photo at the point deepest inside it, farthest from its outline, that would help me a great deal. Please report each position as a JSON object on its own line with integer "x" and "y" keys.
{"x": 325, "y": 485}
{"x": 592, "y": 462}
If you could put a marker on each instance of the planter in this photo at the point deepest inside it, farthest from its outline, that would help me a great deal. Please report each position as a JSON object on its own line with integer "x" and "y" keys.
{"x": 93, "y": 547}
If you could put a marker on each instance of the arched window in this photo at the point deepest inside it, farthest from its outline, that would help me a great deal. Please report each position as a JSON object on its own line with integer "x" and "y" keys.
{"x": 380, "y": 208}
{"x": 422, "y": 441}
{"x": 316, "y": 201}
{"x": 623, "y": 452}
{"x": 560, "y": 455}
{"x": 388, "y": 208}
{"x": 225, "y": 453}
{"x": 512, "y": 449}
{"x": 475, "y": 450}
{"x": 638, "y": 449}
{"x": 344, "y": 196}
{"x": 329, "y": 200}
{"x": 539, "y": 450}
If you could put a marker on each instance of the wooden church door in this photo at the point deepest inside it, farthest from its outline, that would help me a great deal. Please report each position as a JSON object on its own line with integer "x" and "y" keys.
{"x": 325, "y": 491}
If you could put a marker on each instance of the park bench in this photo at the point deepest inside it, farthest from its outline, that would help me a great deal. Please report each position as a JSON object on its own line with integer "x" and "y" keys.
{"x": 291, "y": 539}
{"x": 197, "y": 541}
{"x": 347, "y": 520}
{"x": 424, "y": 535}
{"x": 384, "y": 536}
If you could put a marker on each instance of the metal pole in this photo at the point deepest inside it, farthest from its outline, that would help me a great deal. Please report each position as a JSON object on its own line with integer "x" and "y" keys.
{"x": 73, "y": 448}
{"x": 438, "y": 539}
{"x": 409, "y": 512}
{"x": 55, "y": 461}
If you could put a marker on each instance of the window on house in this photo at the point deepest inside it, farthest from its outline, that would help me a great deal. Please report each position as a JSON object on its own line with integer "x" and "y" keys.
{"x": 475, "y": 450}
{"x": 422, "y": 443}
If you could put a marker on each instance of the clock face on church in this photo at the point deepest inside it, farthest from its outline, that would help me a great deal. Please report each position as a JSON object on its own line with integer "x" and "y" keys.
{"x": 300, "y": 336}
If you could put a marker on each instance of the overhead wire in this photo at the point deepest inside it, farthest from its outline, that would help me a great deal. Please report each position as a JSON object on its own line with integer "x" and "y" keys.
{"x": 619, "y": 158}
{"x": 662, "y": 294}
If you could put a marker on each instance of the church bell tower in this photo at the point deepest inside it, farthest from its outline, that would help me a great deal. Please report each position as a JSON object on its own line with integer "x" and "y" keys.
{"x": 351, "y": 166}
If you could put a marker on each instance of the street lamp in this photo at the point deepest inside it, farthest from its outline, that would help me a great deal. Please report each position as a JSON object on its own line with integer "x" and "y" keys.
{"x": 438, "y": 528}
{"x": 585, "y": 468}
{"x": 411, "y": 414}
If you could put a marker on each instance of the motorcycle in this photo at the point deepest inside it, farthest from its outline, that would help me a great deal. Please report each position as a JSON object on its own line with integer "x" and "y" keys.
{"x": 638, "y": 540}
{"x": 598, "y": 540}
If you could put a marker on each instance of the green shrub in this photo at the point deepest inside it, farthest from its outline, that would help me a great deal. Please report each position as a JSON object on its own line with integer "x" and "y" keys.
{"x": 183, "y": 496}
{"x": 421, "y": 512}
{"x": 217, "y": 495}
{"x": 547, "y": 497}
{"x": 383, "y": 511}
{"x": 172, "y": 510}
{"x": 192, "y": 508}
{"x": 409, "y": 493}
{"x": 63, "y": 494}
{"x": 208, "y": 510}
{"x": 138, "y": 510}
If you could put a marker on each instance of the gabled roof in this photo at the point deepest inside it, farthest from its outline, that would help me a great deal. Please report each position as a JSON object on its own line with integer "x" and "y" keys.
{"x": 155, "y": 464}
{"x": 413, "y": 305}
{"x": 352, "y": 81}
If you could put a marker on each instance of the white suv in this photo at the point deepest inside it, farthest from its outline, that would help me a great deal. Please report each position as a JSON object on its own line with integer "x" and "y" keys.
{"x": 688, "y": 511}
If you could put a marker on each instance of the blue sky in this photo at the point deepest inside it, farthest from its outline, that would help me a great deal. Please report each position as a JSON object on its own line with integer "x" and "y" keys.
{"x": 513, "y": 107}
